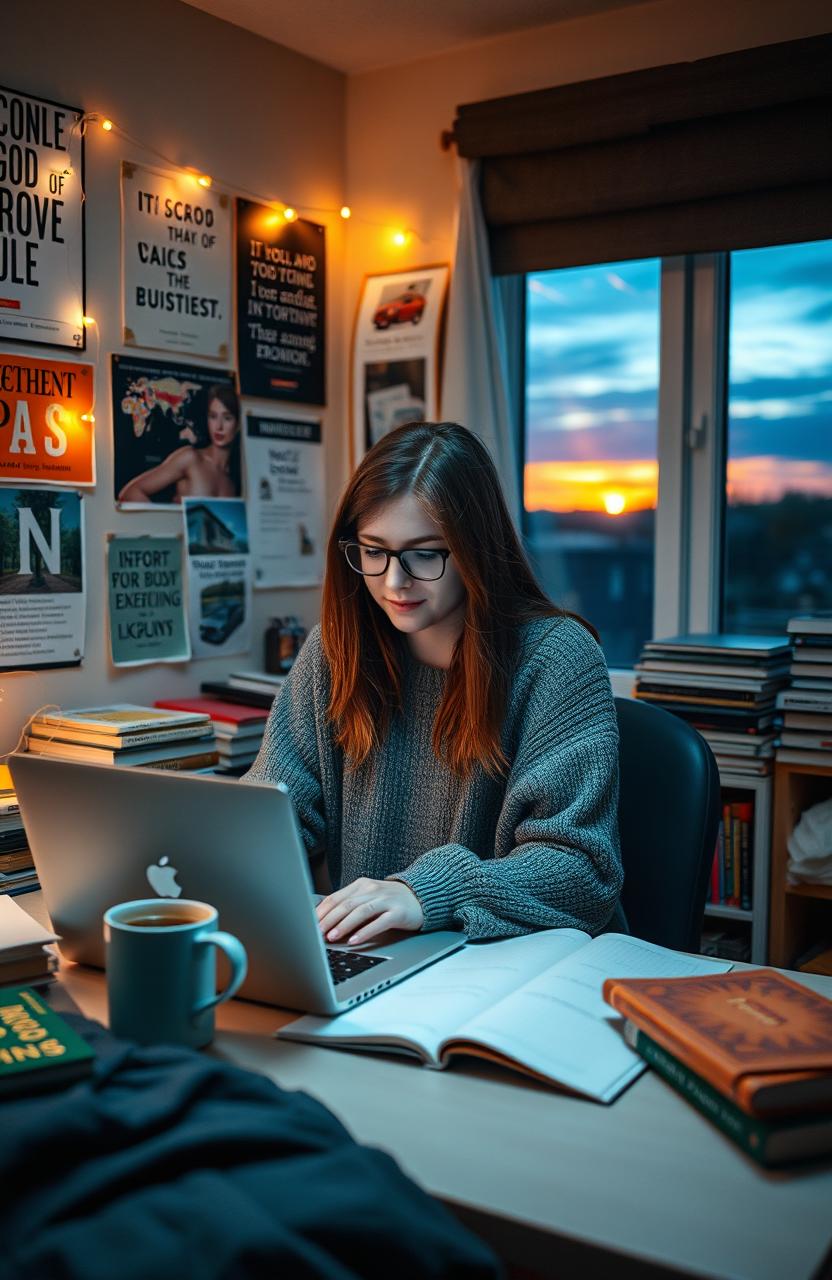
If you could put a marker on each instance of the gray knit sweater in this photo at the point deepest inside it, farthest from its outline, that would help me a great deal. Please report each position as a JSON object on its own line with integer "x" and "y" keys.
{"x": 534, "y": 849}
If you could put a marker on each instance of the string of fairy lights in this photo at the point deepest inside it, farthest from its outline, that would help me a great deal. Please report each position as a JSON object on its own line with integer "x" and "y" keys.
{"x": 284, "y": 211}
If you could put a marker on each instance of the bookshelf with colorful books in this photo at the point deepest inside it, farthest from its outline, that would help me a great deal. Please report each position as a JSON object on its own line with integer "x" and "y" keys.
{"x": 726, "y": 687}
{"x": 801, "y": 913}
{"x": 736, "y": 909}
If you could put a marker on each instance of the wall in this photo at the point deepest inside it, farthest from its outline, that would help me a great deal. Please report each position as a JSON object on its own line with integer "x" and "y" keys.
{"x": 396, "y": 171}
{"x": 211, "y": 95}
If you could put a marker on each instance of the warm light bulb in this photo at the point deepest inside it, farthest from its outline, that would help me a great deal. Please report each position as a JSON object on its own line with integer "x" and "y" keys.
{"x": 289, "y": 213}
{"x": 87, "y": 321}
{"x": 107, "y": 125}
{"x": 400, "y": 238}
{"x": 346, "y": 211}
{"x": 204, "y": 180}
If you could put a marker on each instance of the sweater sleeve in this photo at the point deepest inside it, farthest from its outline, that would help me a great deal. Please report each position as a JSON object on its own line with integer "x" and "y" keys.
{"x": 556, "y": 859}
{"x": 291, "y": 750}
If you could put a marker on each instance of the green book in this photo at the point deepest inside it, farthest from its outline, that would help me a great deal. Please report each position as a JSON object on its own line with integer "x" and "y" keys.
{"x": 770, "y": 1142}
{"x": 38, "y": 1050}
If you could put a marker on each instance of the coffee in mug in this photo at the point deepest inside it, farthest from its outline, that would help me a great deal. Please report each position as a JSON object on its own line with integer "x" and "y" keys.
{"x": 161, "y": 970}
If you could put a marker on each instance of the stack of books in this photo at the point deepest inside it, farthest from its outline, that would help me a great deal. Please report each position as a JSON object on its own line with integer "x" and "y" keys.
{"x": 247, "y": 688}
{"x": 732, "y": 870}
{"x": 17, "y": 871}
{"x": 751, "y": 1050}
{"x": 725, "y": 686}
{"x": 805, "y": 707}
{"x": 238, "y": 729}
{"x": 27, "y": 953}
{"x": 125, "y": 735}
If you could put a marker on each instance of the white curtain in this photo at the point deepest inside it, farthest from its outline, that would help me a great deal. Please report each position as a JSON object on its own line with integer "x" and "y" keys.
{"x": 475, "y": 383}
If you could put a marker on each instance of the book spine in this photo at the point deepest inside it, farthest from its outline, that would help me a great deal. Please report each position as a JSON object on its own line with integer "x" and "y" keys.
{"x": 736, "y": 852}
{"x": 121, "y": 742}
{"x": 184, "y": 762}
{"x": 715, "y": 873}
{"x": 748, "y": 1133}
{"x": 727, "y": 857}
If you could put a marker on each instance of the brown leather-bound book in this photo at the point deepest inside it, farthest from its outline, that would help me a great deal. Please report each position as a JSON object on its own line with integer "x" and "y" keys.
{"x": 760, "y": 1038}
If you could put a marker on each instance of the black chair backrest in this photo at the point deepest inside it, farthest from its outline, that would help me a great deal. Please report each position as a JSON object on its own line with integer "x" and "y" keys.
{"x": 668, "y": 817}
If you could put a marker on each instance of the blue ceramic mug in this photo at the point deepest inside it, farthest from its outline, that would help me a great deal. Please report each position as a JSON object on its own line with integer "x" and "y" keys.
{"x": 161, "y": 970}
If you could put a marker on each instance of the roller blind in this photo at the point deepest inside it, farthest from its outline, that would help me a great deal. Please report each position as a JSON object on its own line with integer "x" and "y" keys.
{"x": 722, "y": 153}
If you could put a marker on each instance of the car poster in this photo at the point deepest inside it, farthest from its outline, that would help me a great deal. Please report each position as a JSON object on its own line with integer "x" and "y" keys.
{"x": 281, "y": 305}
{"x": 397, "y": 352}
{"x": 176, "y": 263}
{"x": 285, "y": 487}
{"x": 146, "y": 602}
{"x": 176, "y": 431}
{"x": 42, "y": 222}
{"x": 46, "y": 421}
{"x": 219, "y": 576}
{"x": 42, "y": 592}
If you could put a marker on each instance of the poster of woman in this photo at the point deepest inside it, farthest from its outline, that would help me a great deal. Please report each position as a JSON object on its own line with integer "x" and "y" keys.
{"x": 176, "y": 433}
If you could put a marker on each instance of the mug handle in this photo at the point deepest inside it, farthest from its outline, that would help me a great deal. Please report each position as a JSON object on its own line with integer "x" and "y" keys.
{"x": 236, "y": 953}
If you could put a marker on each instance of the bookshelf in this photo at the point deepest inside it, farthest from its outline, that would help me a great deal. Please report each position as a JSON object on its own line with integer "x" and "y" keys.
{"x": 753, "y": 923}
{"x": 801, "y": 915}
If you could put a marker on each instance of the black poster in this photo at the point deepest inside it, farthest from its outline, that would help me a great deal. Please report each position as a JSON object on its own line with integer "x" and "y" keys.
{"x": 281, "y": 273}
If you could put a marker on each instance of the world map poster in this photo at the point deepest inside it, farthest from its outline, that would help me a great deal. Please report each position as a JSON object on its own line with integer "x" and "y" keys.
{"x": 176, "y": 433}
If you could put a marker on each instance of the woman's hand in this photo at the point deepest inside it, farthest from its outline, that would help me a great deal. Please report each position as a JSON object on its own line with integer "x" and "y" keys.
{"x": 365, "y": 908}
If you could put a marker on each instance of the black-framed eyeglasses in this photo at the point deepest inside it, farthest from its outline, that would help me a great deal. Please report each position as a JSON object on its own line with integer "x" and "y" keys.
{"x": 426, "y": 564}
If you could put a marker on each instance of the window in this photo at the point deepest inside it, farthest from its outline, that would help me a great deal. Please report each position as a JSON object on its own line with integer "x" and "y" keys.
{"x": 678, "y": 442}
{"x": 778, "y": 520}
{"x": 591, "y": 469}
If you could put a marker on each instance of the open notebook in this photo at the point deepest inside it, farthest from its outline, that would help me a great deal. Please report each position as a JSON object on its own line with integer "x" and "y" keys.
{"x": 532, "y": 1003}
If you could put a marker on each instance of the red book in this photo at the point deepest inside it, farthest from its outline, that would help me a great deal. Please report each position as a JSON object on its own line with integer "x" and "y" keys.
{"x": 227, "y": 713}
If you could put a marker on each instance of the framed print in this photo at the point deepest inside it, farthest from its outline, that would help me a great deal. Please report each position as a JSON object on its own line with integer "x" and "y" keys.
{"x": 397, "y": 352}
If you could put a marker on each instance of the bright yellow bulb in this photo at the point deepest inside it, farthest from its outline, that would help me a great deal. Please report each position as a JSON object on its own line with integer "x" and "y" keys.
{"x": 87, "y": 321}
{"x": 346, "y": 211}
{"x": 289, "y": 213}
{"x": 614, "y": 503}
{"x": 399, "y": 238}
{"x": 88, "y": 417}
{"x": 106, "y": 125}
{"x": 204, "y": 180}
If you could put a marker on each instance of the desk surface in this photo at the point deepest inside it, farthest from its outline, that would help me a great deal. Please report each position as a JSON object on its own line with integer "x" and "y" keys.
{"x": 643, "y": 1187}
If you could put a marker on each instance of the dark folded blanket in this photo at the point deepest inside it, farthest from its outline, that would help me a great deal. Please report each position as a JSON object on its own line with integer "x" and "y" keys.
{"x": 167, "y": 1163}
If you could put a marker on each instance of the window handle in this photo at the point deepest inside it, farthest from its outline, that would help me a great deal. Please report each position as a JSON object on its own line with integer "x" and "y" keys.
{"x": 697, "y": 434}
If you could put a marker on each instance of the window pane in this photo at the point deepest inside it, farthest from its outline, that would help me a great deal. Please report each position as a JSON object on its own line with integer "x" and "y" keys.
{"x": 591, "y": 474}
{"x": 778, "y": 519}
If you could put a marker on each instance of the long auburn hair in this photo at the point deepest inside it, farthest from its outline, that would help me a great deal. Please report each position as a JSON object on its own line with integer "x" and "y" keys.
{"x": 449, "y": 470}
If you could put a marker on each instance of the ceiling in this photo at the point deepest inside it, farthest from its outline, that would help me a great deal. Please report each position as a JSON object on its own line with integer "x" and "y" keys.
{"x": 361, "y": 35}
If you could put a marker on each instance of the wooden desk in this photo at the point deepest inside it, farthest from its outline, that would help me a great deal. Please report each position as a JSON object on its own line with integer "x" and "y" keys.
{"x": 643, "y": 1188}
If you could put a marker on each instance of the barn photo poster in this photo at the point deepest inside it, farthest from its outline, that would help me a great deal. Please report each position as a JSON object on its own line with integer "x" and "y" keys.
{"x": 42, "y": 229}
{"x": 397, "y": 352}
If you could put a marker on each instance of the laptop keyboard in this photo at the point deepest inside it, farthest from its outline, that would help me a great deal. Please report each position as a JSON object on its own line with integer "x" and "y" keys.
{"x": 348, "y": 964}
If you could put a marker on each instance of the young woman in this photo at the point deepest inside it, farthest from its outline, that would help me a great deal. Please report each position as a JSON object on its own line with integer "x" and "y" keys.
{"x": 447, "y": 734}
{"x": 209, "y": 471}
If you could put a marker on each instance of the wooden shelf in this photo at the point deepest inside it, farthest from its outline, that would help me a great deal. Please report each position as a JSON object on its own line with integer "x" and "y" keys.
{"x": 810, "y": 890}
{"x": 801, "y": 915}
{"x": 727, "y": 913}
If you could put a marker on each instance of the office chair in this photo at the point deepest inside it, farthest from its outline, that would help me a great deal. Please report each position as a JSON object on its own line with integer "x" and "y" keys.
{"x": 668, "y": 817}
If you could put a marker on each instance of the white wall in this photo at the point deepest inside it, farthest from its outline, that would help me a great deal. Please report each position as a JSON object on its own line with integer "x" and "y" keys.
{"x": 211, "y": 95}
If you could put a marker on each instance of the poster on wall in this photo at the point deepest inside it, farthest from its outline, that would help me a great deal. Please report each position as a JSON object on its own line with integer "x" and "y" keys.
{"x": 146, "y": 602}
{"x": 46, "y": 421}
{"x": 176, "y": 263}
{"x": 285, "y": 487}
{"x": 41, "y": 221}
{"x": 281, "y": 282}
{"x": 219, "y": 576}
{"x": 397, "y": 356}
{"x": 176, "y": 431}
{"x": 42, "y": 593}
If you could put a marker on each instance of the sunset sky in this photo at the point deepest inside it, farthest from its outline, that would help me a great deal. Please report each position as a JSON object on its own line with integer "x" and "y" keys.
{"x": 592, "y": 351}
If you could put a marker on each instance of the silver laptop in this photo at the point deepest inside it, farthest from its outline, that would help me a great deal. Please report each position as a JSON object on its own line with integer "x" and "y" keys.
{"x": 101, "y": 835}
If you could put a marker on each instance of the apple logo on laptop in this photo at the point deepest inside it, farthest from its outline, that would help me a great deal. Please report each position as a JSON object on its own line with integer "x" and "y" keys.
{"x": 162, "y": 879}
